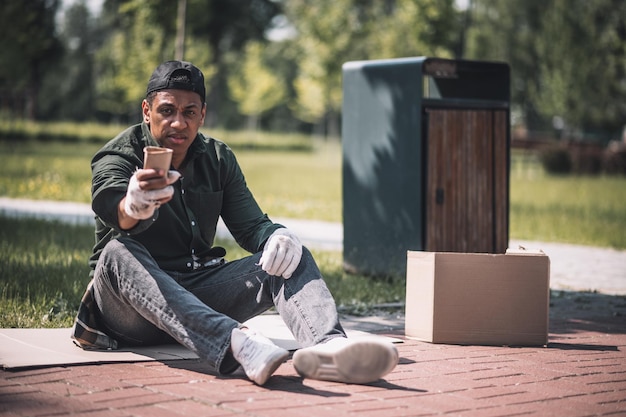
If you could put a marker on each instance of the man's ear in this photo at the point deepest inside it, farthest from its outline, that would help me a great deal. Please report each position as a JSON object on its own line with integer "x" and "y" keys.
{"x": 145, "y": 110}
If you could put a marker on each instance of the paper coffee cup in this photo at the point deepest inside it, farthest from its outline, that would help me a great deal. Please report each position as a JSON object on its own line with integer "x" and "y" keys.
{"x": 156, "y": 157}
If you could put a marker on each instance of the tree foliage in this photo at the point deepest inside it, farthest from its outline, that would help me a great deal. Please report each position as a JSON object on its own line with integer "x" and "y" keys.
{"x": 227, "y": 25}
{"x": 332, "y": 32}
{"x": 131, "y": 52}
{"x": 567, "y": 57}
{"x": 30, "y": 46}
{"x": 253, "y": 84}
{"x": 67, "y": 90}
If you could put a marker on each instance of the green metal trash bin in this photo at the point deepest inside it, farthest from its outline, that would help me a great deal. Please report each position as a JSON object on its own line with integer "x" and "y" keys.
{"x": 425, "y": 160}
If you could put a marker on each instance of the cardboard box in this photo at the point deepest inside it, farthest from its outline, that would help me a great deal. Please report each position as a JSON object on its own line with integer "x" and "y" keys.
{"x": 481, "y": 299}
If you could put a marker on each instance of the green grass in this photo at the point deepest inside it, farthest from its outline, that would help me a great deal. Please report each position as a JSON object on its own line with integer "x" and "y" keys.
{"x": 46, "y": 171}
{"x": 43, "y": 265}
{"x": 301, "y": 185}
{"x": 19, "y": 130}
{"x": 306, "y": 183}
{"x": 44, "y": 272}
{"x": 93, "y": 133}
{"x": 277, "y": 172}
{"x": 586, "y": 210}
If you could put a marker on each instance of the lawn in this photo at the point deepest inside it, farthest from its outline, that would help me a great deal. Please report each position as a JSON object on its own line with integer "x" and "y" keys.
{"x": 293, "y": 181}
{"x": 44, "y": 272}
{"x": 585, "y": 210}
{"x": 43, "y": 265}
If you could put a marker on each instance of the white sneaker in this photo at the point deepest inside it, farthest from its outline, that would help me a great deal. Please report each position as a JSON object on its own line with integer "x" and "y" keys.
{"x": 258, "y": 356}
{"x": 356, "y": 361}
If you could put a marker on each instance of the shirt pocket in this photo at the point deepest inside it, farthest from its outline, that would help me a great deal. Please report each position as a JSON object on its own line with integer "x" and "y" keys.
{"x": 205, "y": 208}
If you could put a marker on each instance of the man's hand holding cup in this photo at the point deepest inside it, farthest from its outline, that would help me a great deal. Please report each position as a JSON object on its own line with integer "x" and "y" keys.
{"x": 147, "y": 190}
{"x": 150, "y": 187}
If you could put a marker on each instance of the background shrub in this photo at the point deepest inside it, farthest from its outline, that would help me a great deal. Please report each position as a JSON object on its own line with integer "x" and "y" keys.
{"x": 556, "y": 160}
{"x": 586, "y": 160}
{"x": 615, "y": 161}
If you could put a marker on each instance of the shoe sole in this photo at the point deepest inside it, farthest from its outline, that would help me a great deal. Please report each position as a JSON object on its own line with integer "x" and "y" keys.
{"x": 360, "y": 362}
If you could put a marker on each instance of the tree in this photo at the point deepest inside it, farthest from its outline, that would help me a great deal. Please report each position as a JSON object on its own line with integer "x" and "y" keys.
{"x": 135, "y": 45}
{"x": 327, "y": 30}
{"x": 404, "y": 28}
{"x": 503, "y": 31}
{"x": 254, "y": 86}
{"x": 582, "y": 65}
{"x": 227, "y": 25}
{"x": 30, "y": 46}
{"x": 68, "y": 88}
{"x": 142, "y": 33}
{"x": 567, "y": 58}
{"x": 332, "y": 32}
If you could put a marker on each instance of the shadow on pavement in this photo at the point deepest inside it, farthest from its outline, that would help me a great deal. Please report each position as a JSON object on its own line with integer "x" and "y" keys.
{"x": 575, "y": 312}
{"x": 582, "y": 346}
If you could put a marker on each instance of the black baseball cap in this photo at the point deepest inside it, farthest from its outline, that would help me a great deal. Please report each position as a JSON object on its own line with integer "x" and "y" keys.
{"x": 177, "y": 75}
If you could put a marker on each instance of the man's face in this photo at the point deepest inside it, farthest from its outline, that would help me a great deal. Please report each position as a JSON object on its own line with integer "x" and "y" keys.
{"x": 174, "y": 118}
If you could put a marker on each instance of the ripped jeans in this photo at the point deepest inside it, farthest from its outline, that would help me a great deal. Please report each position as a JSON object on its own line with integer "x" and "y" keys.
{"x": 141, "y": 304}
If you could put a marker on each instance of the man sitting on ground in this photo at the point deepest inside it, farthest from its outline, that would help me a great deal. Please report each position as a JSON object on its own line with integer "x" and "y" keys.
{"x": 156, "y": 276}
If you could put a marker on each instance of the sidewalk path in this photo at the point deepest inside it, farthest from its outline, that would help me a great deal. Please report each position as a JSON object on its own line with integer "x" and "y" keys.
{"x": 573, "y": 267}
{"x": 581, "y": 372}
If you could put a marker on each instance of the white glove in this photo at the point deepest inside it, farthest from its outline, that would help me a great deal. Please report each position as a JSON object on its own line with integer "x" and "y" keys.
{"x": 282, "y": 253}
{"x": 140, "y": 204}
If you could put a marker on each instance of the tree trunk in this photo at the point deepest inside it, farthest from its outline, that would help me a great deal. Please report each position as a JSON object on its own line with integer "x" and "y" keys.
{"x": 180, "y": 29}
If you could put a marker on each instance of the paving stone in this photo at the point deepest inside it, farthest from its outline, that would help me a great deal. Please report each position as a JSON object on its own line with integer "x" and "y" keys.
{"x": 180, "y": 408}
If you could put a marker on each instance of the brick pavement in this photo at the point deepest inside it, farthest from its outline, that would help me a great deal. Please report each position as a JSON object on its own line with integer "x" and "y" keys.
{"x": 582, "y": 372}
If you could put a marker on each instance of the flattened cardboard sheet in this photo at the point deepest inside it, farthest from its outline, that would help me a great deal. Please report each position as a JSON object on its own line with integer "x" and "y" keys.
{"x": 32, "y": 348}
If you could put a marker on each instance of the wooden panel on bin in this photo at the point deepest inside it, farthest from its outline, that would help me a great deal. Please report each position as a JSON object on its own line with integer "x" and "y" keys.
{"x": 501, "y": 164}
{"x": 466, "y": 181}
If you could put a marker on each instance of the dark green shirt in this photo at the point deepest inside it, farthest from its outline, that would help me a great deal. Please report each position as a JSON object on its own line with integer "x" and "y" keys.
{"x": 212, "y": 185}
